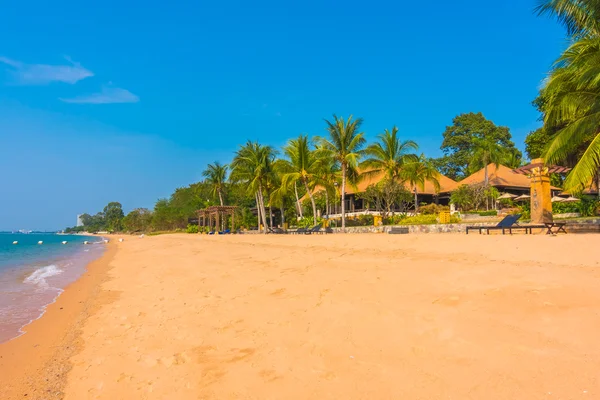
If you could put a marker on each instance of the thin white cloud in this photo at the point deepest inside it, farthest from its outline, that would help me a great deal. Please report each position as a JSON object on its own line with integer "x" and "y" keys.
{"x": 108, "y": 95}
{"x": 43, "y": 74}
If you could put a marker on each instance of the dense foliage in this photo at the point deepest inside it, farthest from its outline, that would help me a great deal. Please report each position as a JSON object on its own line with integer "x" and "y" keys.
{"x": 570, "y": 98}
{"x": 465, "y": 137}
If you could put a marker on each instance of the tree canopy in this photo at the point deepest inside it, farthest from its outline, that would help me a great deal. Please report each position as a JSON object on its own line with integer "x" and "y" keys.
{"x": 460, "y": 142}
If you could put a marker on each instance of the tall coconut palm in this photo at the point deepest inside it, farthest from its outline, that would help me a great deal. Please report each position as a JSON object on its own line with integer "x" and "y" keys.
{"x": 303, "y": 166}
{"x": 389, "y": 154}
{"x": 216, "y": 176}
{"x": 253, "y": 166}
{"x": 580, "y": 17}
{"x": 571, "y": 95}
{"x": 418, "y": 172}
{"x": 329, "y": 178}
{"x": 345, "y": 145}
{"x": 485, "y": 152}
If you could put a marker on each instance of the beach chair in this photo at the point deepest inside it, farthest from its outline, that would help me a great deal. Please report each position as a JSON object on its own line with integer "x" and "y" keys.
{"x": 277, "y": 231}
{"x": 507, "y": 223}
{"x": 314, "y": 229}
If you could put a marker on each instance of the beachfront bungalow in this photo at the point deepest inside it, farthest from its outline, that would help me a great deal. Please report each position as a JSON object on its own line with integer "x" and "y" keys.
{"x": 357, "y": 206}
{"x": 502, "y": 178}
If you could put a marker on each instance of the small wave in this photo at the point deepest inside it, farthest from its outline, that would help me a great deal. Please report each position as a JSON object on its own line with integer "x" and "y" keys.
{"x": 38, "y": 277}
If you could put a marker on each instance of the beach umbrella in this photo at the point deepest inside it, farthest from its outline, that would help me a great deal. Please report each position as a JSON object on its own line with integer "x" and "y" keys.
{"x": 571, "y": 199}
{"x": 557, "y": 199}
{"x": 507, "y": 196}
{"x": 523, "y": 197}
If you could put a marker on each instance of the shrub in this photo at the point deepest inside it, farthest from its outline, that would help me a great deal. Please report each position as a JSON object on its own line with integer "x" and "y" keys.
{"x": 419, "y": 220}
{"x": 192, "y": 228}
{"x": 488, "y": 213}
{"x": 431, "y": 209}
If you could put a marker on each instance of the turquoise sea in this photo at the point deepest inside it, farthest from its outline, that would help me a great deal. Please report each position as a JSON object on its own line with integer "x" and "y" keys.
{"x": 33, "y": 274}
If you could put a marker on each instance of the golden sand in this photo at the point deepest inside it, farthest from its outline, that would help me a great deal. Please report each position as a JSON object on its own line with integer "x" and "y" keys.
{"x": 325, "y": 317}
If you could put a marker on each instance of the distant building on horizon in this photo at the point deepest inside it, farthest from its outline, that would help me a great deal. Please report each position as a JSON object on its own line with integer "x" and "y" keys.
{"x": 79, "y": 221}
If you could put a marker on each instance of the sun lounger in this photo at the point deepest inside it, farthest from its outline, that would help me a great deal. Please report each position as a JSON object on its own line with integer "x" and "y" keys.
{"x": 277, "y": 231}
{"x": 314, "y": 229}
{"x": 507, "y": 223}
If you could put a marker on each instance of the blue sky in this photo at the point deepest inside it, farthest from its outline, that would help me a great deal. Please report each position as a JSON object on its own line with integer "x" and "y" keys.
{"x": 125, "y": 101}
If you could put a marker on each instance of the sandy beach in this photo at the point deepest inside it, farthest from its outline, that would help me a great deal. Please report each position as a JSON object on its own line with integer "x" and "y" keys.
{"x": 320, "y": 317}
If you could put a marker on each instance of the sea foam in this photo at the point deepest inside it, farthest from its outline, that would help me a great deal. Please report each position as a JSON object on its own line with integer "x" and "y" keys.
{"x": 38, "y": 277}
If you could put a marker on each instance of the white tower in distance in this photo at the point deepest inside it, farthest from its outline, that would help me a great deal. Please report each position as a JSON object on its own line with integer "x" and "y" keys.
{"x": 79, "y": 221}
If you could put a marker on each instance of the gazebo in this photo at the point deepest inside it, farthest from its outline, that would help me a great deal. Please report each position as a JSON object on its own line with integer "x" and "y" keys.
{"x": 213, "y": 216}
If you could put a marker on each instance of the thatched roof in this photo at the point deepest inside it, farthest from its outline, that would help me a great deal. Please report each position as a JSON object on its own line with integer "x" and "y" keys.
{"x": 500, "y": 176}
{"x": 445, "y": 184}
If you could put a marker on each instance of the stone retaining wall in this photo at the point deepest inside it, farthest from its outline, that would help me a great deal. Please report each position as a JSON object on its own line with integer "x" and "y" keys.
{"x": 433, "y": 228}
{"x": 589, "y": 225}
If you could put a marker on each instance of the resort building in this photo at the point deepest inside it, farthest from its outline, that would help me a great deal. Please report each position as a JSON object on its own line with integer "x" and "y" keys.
{"x": 357, "y": 206}
{"x": 502, "y": 178}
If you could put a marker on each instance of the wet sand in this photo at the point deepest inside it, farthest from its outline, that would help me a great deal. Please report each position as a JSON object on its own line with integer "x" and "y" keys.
{"x": 325, "y": 317}
{"x": 35, "y": 365}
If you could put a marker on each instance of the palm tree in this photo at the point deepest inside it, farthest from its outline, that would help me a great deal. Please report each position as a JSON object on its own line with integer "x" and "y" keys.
{"x": 329, "y": 177}
{"x": 389, "y": 154}
{"x": 253, "y": 166}
{"x": 345, "y": 145}
{"x": 512, "y": 159}
{"x": 216, "y": 175}
{"x": 580, "y": 17}
{"x": 303, "y": 166}
{"x": 418, "y": 172}
{"x": 485, "y": 152}
{"x": 571, "y": 95}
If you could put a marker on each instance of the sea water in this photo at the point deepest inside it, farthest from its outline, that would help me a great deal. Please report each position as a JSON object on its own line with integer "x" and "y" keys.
{"x": 32, "y": 275}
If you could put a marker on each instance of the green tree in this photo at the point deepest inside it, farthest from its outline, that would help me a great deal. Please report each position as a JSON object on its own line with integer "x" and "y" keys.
{"x": 571, "y": 95}
{"x": 463, "y": 198}
{"x": 138, "y": 220}
{"x": 536, "y": 143}
{"x": 345, "y": 145}
{"x": 303, "y": 164}
{"x": 113, "y": 214}
{"x": 330, "y": 179}
{"x": 216, "y": 176}
{"x": 416, "y": 173}
{"x": 580, "y": 17}
{"x": 486, "y": 151}
{"x": 385, "y": 194}
{"x": 460, "y": 142}
{"x": 253, "y": 167}
{"x": 389, "y": 154}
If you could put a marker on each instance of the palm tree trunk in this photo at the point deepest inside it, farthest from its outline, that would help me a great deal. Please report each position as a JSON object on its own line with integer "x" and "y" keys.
{"x": 312, "y": 200}
{"x": 282, "y": 210}
{"x": 416, "y": 201}
{"x": 298, "y": 205}
{"x": 598, "y": 182}
{"x": 326, "y": 203}
{"x": 221, "y": 198}
{"x": 270, "y": 215}
{"x": 343, "y": 197}
{"x": 263, "y": 211}
{"x": 257, "y": 210}
{"x": 486, "y": 181}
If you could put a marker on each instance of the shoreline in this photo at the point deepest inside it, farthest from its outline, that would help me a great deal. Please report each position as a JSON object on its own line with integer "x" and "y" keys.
{"x": 48, "y": 342}
{"x": 62, "y": 269}
{"x": 337, "y": 316}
